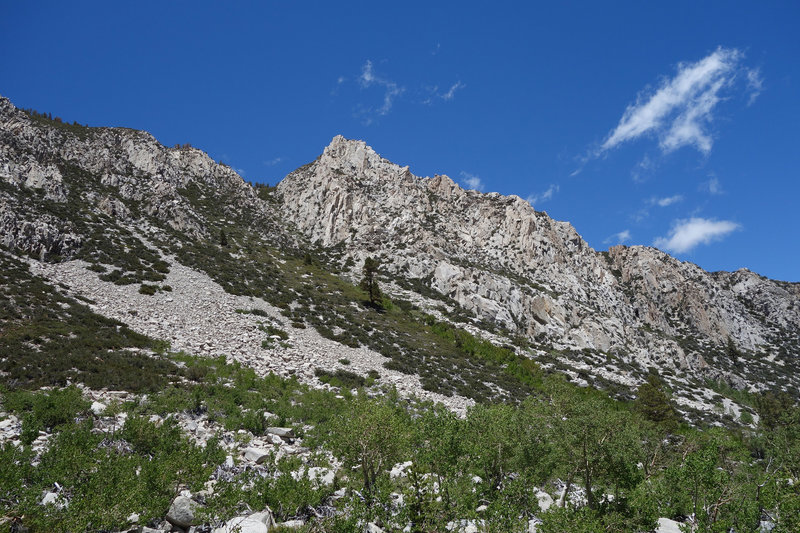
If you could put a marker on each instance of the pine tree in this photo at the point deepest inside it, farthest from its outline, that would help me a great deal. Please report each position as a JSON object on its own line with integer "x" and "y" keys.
{"x": 223, "y": 239}
{"x": 370, "y": 282}
{"x": 731, "y": 351}
{"x": 653, "y": 402}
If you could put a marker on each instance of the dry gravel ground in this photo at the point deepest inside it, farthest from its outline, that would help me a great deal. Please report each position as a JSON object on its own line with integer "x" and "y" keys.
{"x": 200, "y": 318}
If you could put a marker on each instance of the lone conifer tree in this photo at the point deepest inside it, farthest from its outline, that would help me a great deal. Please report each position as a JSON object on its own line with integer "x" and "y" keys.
{"x": 731, "y": 351}
{"x": 653, "y": 402}
{"x": 370, "y": 282}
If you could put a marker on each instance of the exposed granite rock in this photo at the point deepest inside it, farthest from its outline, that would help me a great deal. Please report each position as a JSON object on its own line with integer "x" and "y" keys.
{"x": 183, "y": 512}
{"x": 502, "y": 260}
{"x": 69, "y": 167}
{"x": 611, "y": 315}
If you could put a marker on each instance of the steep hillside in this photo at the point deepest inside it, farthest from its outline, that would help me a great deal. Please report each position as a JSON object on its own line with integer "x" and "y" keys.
{"x": 183, "y": 351}
{"x": 484, "y": 291}
{"x": 508, "y": 264}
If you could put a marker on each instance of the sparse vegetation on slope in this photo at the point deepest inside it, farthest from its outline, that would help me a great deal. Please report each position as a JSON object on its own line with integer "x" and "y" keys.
{"x": 354, "y": 451}
{"x": 48, "y": 338}
{"x": 449, "y": 360}
{"x": 619, "y": 472}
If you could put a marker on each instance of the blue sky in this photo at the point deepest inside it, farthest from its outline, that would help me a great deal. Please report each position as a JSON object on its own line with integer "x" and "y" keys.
{"x": 667, "y": 124}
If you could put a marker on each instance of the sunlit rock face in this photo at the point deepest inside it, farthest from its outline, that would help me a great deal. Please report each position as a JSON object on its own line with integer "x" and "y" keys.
{"x": 492, "y": 258}
{"x": 500, "y": 259}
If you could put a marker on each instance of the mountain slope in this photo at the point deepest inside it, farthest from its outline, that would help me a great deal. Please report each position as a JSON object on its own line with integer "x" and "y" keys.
{"x": 485, "y": 290}
{"x": 505, "y": 262}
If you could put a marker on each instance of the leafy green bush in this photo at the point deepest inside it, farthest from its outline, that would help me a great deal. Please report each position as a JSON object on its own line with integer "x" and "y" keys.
{"x": 341, "y": 378}
{"x": 274, "y": 331}
{"x": 45, "y": 410}
{"x": 148, "y": 289}
{"x": 288, "y": 495}
{"x": 103, "y": 481}
{"x": 568, "y": 433}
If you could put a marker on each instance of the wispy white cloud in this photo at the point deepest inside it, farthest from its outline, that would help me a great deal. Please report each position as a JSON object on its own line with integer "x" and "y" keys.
{"x": 712, "y": 186}
{"x": 679, "y": 111}
{"x": 642, "y": 169}
{"x": 534, "y": 199}
{"x": 664, "y": 202}
{"x": 755, "y": 83}
{"x": 368, "y": 78}
{"x": 619, "y": 238}
{"x": 640, "y": 214}
{"x": 392, "y": 91}
{"x": 339, "y": 83}
{"x": 471, "y": 181}
{"x": 434, "y": 93}
{"x": 273, "y": 162}
{"x": 452, "y": 90}
{"x": 686, "y": 234}
{"x": 644, "y": 212}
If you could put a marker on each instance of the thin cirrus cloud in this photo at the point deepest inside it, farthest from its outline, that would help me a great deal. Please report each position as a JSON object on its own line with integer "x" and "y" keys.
{"x": 435, "y": 94}
{"x": 471, "y": 181}
{"x": 667, "y": 201}
{"x": 452, "y": 90}
{"x": 534, "y": 199}
{"x": 755, "y": 83}
{"x": 619, "y": 238}
{"x": 712, "y": 186}
{"x": 681, "y": 108}
{"x": 368, "y": 78}
{"x": 393, "y": 91}
{"x": 686, "y": 234}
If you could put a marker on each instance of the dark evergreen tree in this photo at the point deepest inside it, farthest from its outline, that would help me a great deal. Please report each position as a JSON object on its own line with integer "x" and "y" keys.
{"x": 731, "y": 351}
{"x": 223, "y": 239}
{"x": 772, "y": 408}
{"x": 653, "y": 402}
{"x": 370, "y": 282}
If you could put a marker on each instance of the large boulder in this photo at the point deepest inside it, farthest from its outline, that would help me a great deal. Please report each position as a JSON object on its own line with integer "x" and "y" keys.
{"x": 255, "y": 523}
{"x": 256, "y": 455}
{"x": 281, "y": 432}
{"x": 665, "y": 525}
{"x": 183, "y": 512}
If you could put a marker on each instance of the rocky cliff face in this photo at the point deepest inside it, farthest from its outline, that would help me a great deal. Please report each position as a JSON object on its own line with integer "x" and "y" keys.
{"x": 124, "y": 174}
{"x": 132, "y": 209}
{"x": 502, "y": 260}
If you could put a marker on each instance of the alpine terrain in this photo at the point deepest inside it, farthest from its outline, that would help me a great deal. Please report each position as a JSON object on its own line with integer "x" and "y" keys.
{"x": 361, "y": 349}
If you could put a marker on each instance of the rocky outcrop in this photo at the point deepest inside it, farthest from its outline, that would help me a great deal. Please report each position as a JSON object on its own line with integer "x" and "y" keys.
{"x": 115, "y": 171}
{"x": 503, "y": 261}
{"x": 41, "y": 237}
{"x": 69, "y": 191}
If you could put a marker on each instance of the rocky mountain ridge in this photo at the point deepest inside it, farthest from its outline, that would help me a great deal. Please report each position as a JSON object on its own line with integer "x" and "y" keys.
{"x": 122, "y": 173}
{"x": 119, "y": 200}
{"x": 499, "y": 258}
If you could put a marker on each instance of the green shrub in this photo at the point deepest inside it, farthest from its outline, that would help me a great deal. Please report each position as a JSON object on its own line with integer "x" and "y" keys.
{"x": 45, "y": 410}
{"x": 148, "y": 289}
{"x": 341, "y": 378}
